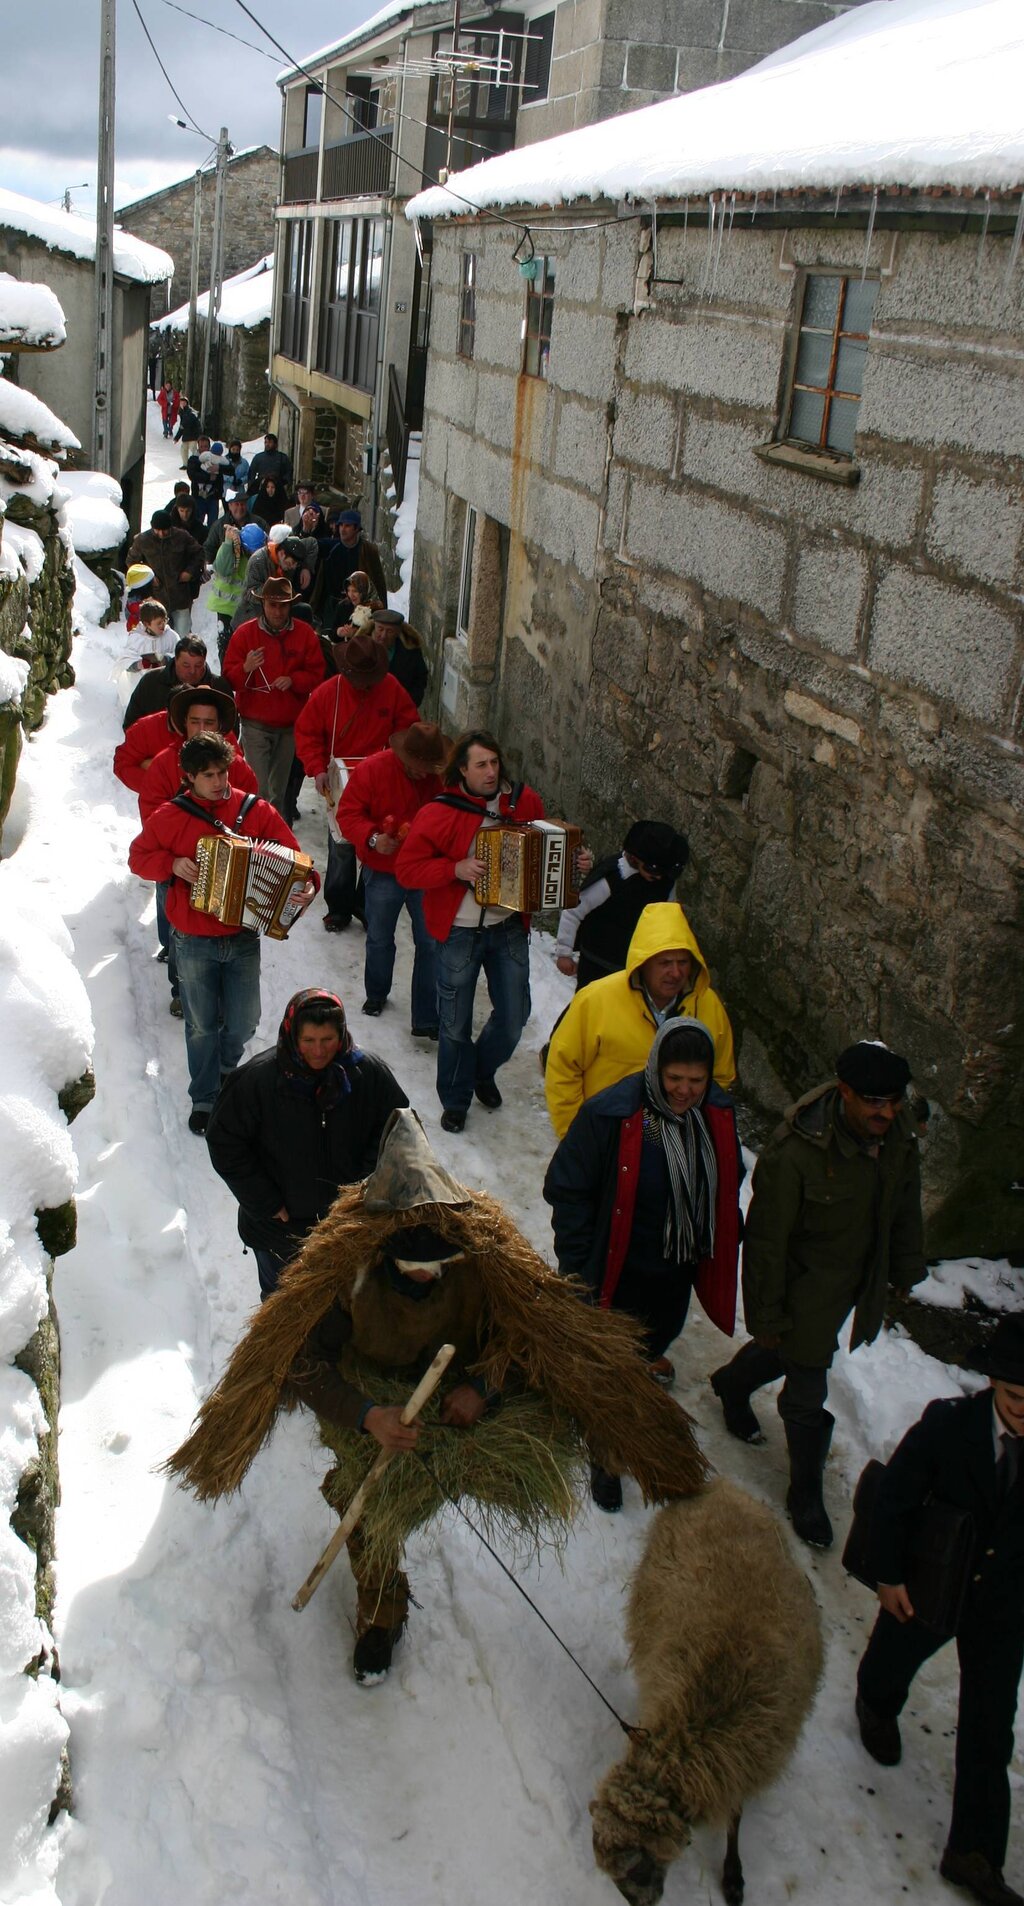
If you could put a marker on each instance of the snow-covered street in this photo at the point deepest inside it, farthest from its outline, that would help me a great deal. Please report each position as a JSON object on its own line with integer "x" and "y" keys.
{"x": 220, "y": 1748}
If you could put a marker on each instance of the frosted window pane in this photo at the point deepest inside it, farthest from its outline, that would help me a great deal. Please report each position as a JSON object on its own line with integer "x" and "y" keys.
{"x": 814, "y": 358}
{"x": 850, "y": 366}
{"x": 821, "y": 302}
{"x": 807, "y": 414}
{"x": 860, "y": 303}
{"x": 842, "y": 425}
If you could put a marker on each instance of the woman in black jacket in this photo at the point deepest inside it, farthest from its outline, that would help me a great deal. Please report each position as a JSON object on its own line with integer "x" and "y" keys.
{"x": 292, "y": 1126}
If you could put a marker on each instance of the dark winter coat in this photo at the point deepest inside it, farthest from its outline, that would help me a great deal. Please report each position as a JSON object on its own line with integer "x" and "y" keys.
{"x": 950, "y": 1454}
{"x": 190, "y": 427}
{"x": 592, "y": 1182}
{"x": 407, "y": 663}
{"x": 270, "y": 463}
{"x": 602, "y": 941}
{"x": 273, "y": 1147}
{"x": 157, "y": 685}
{"x": 170, "y": 557}
{"x": 829, "y": 1228}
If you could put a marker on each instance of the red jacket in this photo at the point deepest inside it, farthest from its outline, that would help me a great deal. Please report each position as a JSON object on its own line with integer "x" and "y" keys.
{"x": 379, "y": 790}
{"x": 715, "y": 1281}
{"x": 170, "y": 832}
{"x": 341, "y": 720}
{"x": 168, "y": 402}
{"x": 163, "y": 778}
{"x": 143, "y": 741}
{"x": 439, "y": 837}
{"x": 295, "y": 651}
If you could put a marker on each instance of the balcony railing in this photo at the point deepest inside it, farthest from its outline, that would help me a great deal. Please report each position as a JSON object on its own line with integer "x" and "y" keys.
{"x": 354, "y": 168}
{"x": 299, "y": 178}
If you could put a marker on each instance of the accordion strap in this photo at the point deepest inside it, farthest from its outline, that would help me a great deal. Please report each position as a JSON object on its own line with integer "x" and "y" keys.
{"x": 466, "y": 805}
{"x": 188, "y": 806}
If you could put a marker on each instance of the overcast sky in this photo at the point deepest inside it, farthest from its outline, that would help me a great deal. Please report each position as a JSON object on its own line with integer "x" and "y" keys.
{"x": 50, "y": 86}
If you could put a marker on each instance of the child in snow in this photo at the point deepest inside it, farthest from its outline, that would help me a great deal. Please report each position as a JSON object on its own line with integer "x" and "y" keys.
{"x": 153, "y": 641}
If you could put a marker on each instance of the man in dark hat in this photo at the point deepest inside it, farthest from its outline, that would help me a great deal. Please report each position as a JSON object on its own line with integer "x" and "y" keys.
{"x": 273, "y": 662}
{"x": 176, "y": 560}
{"x": 964, "y": 1452}
{"x": 348, "y": 717}
{"x": 378, "y": 805}
{"x": 293, "y": 1125}
{"x": 404, "y": 645}
{"x": 350, "y": 552}
{"x": 594, "y": 935}
{"x": 834, "y": 1219}
{"x": 186, "y": 668}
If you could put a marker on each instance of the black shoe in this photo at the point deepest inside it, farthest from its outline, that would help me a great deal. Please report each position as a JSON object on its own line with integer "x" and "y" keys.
{"x": 605, "y": 1489}
{"x": 371, "y": 1658}
{"x": 176, "y": 1009}
{"x": 373, "y": 1008}
{"x": 880, "y": 1735}
{"x": 426, "y": 1032}
{"x": 453, "y": 1121}
{"x": 978, "y": 1876}
{"x": 198, "y": 1121}
{"x": 161, "y": 958}
{"x": 808, "y": 1448}
{"x": 336, "y": 923}
{"x": 740, "y": 1420}
{"x": 487, "y": 1092}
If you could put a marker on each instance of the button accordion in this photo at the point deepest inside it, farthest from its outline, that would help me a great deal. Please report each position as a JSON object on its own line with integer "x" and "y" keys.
{"x": 531, "y": 865}
{"x": 255, "y": 884}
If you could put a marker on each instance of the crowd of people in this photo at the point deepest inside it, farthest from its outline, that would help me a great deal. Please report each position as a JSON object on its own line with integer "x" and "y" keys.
{"x": 321, "y": 679}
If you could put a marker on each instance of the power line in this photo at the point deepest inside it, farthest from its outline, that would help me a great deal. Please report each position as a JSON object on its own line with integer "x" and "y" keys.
{"x": 192, "y": 122}
{"x": 214, "y": 28}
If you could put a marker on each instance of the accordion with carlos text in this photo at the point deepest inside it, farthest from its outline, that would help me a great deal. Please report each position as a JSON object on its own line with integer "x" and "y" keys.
{"x": 531, "y": 865}
{"x": 250, "y": 883}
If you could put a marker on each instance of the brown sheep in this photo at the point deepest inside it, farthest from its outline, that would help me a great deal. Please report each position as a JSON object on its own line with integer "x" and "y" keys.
{"x": 726, "y": 1646}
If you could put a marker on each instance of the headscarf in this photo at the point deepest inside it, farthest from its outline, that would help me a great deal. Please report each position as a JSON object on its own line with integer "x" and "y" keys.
{"x": 327, "y": 1087}
{"x": 690, "y": 1156}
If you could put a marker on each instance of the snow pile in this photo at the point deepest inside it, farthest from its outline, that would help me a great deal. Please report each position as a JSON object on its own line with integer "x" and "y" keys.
{"x": 405, "y": 529}
{"x": 913, "y": 93}
{"x": 26, "y": 547}
{"x": 91, "y": 600}
{"x": 13, "y": 671}
{"x": 67, "y": 232}
{"x": 29, "y": 315}
{"x": 36, "y": 479}
{"x": 247, "y": 299}
{"x": 93, "y": 511}
{"x": 47, "y": 1042}
{"x": 23, "y": 415}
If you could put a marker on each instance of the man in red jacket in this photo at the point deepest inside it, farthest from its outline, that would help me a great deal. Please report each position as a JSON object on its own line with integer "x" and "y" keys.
{"x": 437, "y": 859}
{"x": 218, "y": 966}
{"x": 347, "y": 718}
{"x": 381, "y": 799}
{"x": 273, "y": 664}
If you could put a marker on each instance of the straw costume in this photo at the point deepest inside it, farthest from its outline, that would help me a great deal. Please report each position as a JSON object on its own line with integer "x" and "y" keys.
{"x": 346, "y": 1332}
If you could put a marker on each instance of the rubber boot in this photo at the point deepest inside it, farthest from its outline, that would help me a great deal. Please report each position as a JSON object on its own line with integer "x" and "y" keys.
{"x": 808, "y": 1448}
{"x": 734, "y": 1384}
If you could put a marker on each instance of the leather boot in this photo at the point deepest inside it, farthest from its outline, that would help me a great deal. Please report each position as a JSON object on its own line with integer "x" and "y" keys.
{"x": 808, "y": 1448}
{"x": 734, "y": 1383}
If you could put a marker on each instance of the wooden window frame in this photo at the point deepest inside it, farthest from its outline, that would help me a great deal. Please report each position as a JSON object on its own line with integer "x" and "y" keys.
{"x": 467, "y": 305}
{"x": 538, "y": 319}
{"x": 829, "y": 391}
{"x": 464, "y": 600}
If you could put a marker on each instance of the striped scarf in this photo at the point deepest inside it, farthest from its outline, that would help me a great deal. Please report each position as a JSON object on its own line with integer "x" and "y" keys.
{"x": 692, "y": 1173}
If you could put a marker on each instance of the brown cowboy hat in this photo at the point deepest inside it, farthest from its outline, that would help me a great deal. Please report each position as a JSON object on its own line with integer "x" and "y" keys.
{"x": 362, "y": 660}
{"x": 276, "y": 589}
{"x": 185, "y": 698}
{"x": 422, "y": 746}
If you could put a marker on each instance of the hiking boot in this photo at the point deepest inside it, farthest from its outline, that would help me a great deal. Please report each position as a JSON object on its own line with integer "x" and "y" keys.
{"x": 373, "y": 1008}
{"x": 605, "y": 1489}
{"x": 977, "y": 1875}
{"x": 176, "y": 1009}
{"x": 335, "y": 923}
{"x": 487, "y": 1092}
{"x": 808, "y": 1448}
{"x": 198, "y": 1121}
{"x": 426, "y": 1032}
{"x": 161, "y": 958}
{"x": 880, "y": 1734}
{"x": 371, "y": 1657}
{"x": 453, "y": 1120}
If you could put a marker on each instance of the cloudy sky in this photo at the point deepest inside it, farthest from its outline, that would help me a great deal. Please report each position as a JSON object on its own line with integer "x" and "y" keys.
{"x": 51, "y": 64}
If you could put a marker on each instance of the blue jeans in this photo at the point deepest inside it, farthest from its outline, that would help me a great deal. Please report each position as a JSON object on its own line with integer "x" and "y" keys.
{"x": 219, "y": 978}
{"x": 384, "y": 902}
{"x": 504, "y": 953}
{"x": 164, "y": 934}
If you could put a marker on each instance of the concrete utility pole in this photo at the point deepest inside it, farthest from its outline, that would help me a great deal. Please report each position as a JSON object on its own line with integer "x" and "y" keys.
{"x": 193, "y": 286}
{"x": 224, "y": 150}
{"x": 102, "y": 431}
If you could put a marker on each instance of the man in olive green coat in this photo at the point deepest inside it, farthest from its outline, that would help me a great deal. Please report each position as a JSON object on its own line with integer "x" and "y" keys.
{"x": 835, "y": 1219}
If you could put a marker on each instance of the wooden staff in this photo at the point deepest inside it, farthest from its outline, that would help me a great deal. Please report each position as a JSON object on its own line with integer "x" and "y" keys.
{"x": 423, "y": 1392}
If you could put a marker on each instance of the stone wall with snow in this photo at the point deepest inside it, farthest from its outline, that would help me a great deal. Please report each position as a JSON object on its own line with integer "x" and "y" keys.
{"x": 822, "y": 684}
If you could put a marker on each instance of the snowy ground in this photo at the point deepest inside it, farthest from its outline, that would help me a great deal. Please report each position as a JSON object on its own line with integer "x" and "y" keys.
{"x": 220, "y": 1748}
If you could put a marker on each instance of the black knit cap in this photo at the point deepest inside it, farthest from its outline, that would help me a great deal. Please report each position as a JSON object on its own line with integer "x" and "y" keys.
{"x": 1002, "y": 1356}
{"x": 658, "y": 846}
{"x": 870, "y": 1069}
{"x": 161, "y": 519}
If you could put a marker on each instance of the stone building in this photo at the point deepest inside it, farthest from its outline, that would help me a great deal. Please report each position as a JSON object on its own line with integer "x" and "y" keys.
{"x": 366, "y": 120}
{"x": 720, "y": 521}
{"x": 165, "y": 218}
{"x": 58, "y": 249}
{"x": 239, "y": 394}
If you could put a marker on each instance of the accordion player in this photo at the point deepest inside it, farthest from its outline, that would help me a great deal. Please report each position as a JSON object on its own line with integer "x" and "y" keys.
{"x": 531, "y": 865}
{"x": 254, "y": 884}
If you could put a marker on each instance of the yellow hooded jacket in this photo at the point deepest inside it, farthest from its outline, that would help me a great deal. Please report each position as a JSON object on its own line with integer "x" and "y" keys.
{"x": 608, "y": 1030}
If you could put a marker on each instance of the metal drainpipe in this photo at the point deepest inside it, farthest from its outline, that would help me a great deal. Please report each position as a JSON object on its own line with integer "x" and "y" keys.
{"x": 379, "y": 398}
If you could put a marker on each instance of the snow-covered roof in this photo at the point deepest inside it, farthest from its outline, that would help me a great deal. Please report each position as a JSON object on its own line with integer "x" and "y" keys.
{"x": 246, "y": 299}
{"x": 387, "y": 15}
{"x": 23, "y": 415}
{"x": 188, "y": 178}
{"x": 30, "y": 316}
{"x": 911, "y": 93}
{"x": 67, "y": 232}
